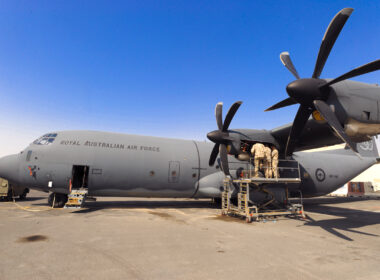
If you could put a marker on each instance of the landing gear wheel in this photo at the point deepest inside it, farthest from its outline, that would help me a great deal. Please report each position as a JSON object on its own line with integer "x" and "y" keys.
{"x": 23, "y": 195}
{"x": 234, "y": 201}
{"x": 217, "y": 201}
{"x": 59, "y": 201}
{"x": 9, "y": 196}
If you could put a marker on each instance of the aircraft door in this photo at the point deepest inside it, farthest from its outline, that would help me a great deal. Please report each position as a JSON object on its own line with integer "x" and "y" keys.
{"x": 174, "y": 171}
{"x": 79, "y": 178}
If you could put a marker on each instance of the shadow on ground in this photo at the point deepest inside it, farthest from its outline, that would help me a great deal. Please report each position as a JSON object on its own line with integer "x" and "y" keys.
{"x": 341, "y": 218}
{"x": 17, "y": 199}
{"x": 166, "y": 204}
{"x": 139, "y": 204}
{"x": 335, "y": 200}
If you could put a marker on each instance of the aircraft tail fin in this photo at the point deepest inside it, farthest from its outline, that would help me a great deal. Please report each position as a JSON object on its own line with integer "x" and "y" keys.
{"x": 368, "y": 148}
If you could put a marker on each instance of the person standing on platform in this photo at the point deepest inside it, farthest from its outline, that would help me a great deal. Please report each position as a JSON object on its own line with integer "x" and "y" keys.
{"x": 275, "y": 162}
{"x": 267, "y": 162}
{"x": 257, "y": 153}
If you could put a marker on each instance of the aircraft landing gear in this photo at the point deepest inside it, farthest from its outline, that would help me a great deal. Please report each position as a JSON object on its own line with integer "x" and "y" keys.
{"x": 23, "y": 195}
{"x": 57, "y": 200}
{"x": 9, "y": 195}
{"x": 217, "y": 201}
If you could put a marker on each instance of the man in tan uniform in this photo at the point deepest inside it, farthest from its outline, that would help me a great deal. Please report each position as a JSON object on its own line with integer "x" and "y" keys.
{"x": 275, "y": 162}
{"x": 257, "y": 152}
{"x": 267, "y": 162}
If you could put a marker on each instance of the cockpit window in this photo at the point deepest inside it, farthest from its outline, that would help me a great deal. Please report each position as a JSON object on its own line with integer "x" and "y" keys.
{"x": 47, "y": 139}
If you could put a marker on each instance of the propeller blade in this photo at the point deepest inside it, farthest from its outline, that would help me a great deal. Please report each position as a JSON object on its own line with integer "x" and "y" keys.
{"x": 299, "y": 122}
{"x": 218, "y": 115}
{"x": 285, "y": 59}
{"x": 364, "y": 69}
{"x": 213, "y": 155}
{"x": 231, "y": 114}
{"x": 329, "y": 39}
{"x": 286, "y": 102}
{"x": 333, "y": 121}
{"x": 224, "y": 159}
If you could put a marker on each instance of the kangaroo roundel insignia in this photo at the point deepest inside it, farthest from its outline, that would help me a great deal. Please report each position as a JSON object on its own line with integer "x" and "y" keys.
{"x": 320, "y": 174}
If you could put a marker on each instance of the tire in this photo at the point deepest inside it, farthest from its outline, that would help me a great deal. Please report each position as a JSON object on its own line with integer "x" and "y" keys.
{"x": 60, "y": 200}
{"x": 23, "y": 195}
{"x": 217, "y": 201}
{"x": 234, "y": 201}
{"x": 9, "y": 196}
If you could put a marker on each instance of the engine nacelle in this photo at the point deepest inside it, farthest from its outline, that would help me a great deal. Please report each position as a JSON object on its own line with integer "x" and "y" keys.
{"x": 243, "y": 157}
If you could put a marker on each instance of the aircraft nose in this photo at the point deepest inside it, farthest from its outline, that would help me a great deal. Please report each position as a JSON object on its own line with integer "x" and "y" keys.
{"x": 9, "y": 167}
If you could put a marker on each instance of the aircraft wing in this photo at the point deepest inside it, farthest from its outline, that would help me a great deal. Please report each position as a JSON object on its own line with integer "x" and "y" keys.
{"x": 314, "y": 135}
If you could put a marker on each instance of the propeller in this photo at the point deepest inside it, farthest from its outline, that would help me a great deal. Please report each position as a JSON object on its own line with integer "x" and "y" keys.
{"x": 221, "y": 137}
{"x": 312, "y": 93}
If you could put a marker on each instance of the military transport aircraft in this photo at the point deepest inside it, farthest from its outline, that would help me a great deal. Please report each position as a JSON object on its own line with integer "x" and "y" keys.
{"x": 111, "y": 164}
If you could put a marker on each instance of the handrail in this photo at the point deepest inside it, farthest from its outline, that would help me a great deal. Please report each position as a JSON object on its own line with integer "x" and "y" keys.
{"x": 286, "y": 168}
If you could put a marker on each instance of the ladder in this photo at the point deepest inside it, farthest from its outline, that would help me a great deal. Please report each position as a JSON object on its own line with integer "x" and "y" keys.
{"x": 226, "y": 196}
{"x": 243, "y": 198}
{"x": 76, "y": 198}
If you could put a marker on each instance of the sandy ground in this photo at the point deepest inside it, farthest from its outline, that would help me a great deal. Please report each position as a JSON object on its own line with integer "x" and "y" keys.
{"x": 134, "y": 238}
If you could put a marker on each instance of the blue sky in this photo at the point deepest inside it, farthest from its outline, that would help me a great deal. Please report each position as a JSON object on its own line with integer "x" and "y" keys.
{"x": 159, "y": 67}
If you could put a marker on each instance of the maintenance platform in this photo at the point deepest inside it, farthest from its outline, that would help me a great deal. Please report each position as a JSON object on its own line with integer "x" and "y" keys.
{"x": 248, "y": 186}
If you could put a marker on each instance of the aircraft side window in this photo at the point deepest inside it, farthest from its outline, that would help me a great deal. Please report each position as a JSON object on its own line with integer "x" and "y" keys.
{"x": 366, "y": 115}
{"x": 28, "y": 155}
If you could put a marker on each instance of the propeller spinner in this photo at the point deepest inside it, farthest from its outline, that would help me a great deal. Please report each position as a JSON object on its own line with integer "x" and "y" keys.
{"x": 313, "y": 92}
{"x": 221, "y": 137}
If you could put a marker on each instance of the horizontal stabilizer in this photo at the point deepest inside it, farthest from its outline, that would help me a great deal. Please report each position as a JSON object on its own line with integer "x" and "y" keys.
{"x": 367, "y": 148}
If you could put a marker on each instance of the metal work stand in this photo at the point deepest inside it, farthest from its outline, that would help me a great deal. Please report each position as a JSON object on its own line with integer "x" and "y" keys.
{"x": 243, "y": 209}
{"x": 253, "y": 211}
{"x": 76, "y": 198}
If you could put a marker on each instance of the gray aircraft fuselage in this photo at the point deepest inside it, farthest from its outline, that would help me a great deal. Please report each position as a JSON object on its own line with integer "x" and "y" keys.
{"x": 144, "y": 166}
